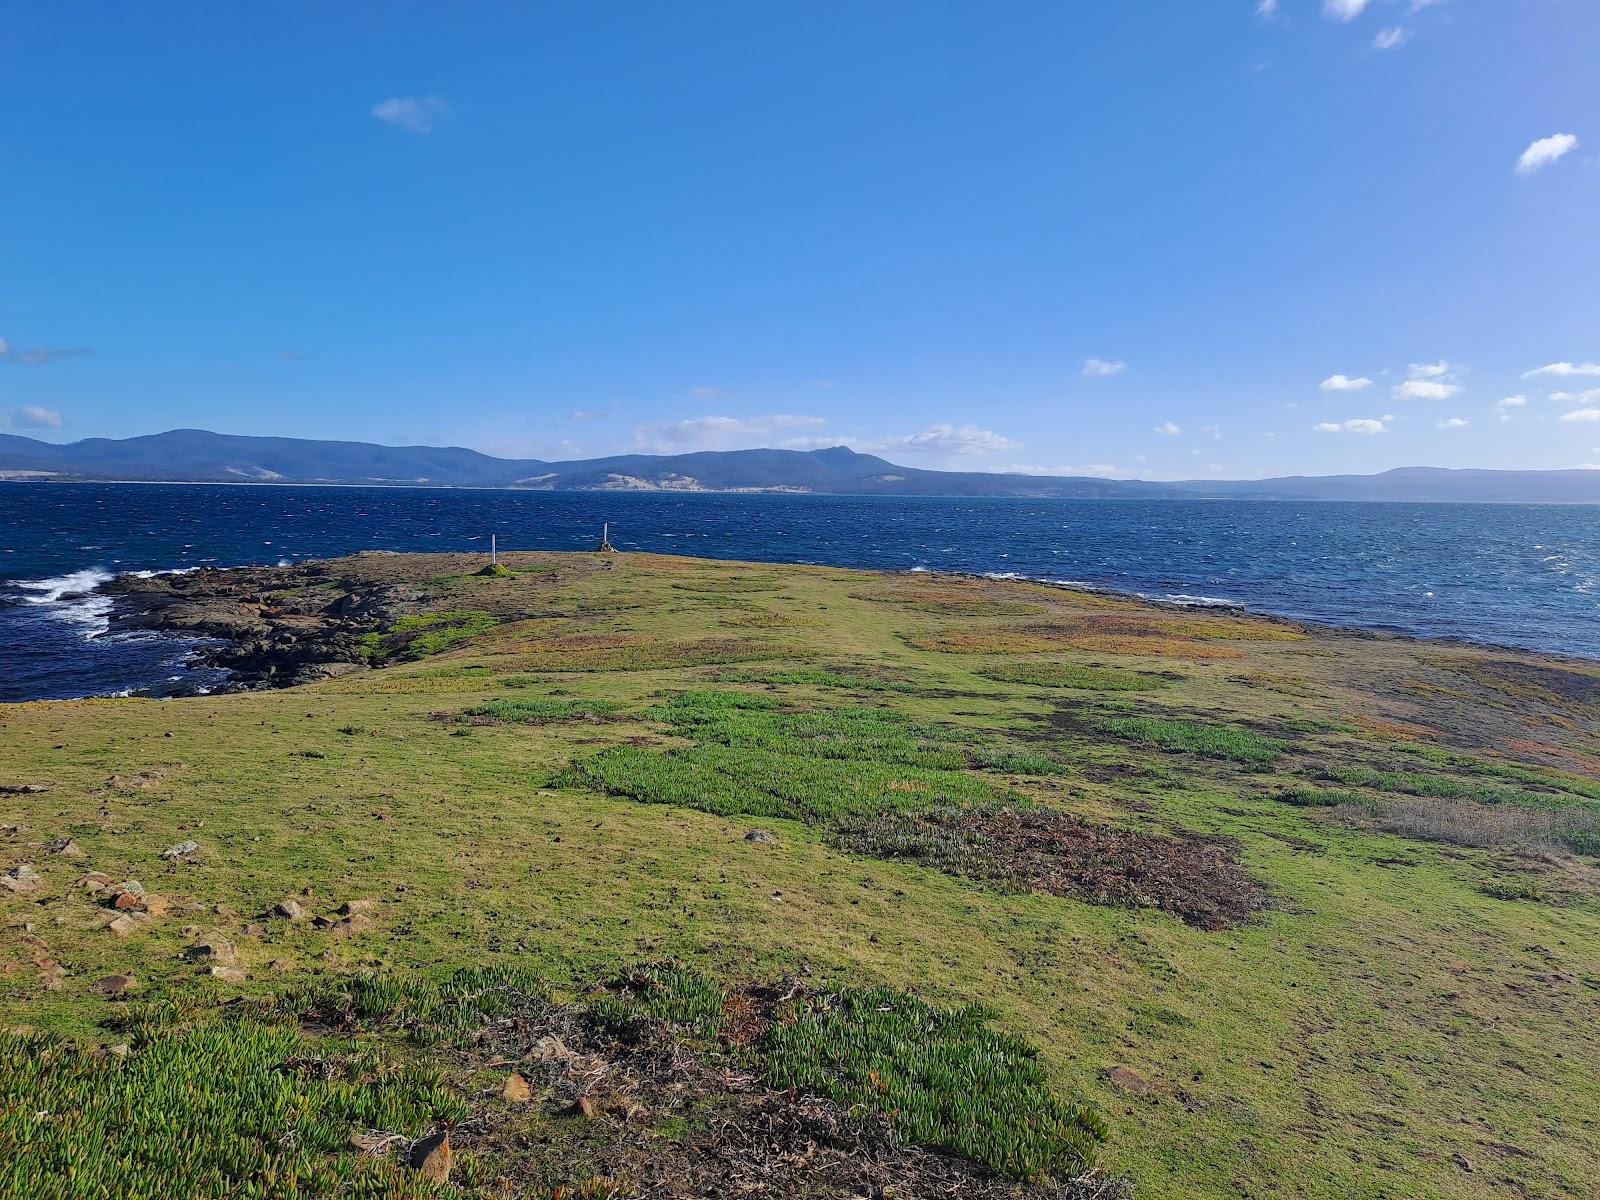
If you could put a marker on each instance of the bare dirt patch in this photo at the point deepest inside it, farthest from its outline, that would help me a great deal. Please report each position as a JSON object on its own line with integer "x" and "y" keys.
{"x": 1198, "y": 880}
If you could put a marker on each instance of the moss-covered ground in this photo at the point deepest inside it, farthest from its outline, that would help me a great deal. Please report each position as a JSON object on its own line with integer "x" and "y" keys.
{"x": 1412, "y": 1013}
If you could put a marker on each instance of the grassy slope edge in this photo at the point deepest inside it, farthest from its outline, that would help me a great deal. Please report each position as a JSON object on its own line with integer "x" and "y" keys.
{"x": 1411, "y": 1018}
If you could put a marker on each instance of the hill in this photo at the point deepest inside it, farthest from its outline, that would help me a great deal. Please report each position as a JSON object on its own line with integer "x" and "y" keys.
{"x": 193, "y": 455}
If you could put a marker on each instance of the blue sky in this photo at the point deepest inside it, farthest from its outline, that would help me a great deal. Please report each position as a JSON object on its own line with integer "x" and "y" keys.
{"x": 1167, "y": 238}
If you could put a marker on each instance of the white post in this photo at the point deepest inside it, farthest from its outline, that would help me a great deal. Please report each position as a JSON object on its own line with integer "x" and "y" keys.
{"x": 494, "y": 552}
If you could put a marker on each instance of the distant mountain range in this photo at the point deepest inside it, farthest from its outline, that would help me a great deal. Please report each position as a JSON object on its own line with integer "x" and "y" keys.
{"x": 196, "y": 456}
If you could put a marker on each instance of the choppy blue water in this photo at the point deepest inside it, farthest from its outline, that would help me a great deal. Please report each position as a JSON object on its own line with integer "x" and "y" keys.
{"x": 1520, "y": 575}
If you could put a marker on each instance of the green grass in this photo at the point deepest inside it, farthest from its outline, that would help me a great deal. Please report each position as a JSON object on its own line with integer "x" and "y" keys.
{"x": 530, "y": 711}
{"x": 216, "y": 1111}
{"x": 1227, "y": 742}
{"x": 944, "y": 1078}
{"x": 1037, "y": 673}
{"x": 1386, "y": 989}
{"x": 425, "y": 634}
{"x": 816, "y": 677}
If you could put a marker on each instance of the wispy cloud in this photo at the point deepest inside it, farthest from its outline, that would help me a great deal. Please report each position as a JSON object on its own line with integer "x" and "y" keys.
{"x": 31, "y": 416}
{"x": 1388, "y": 39}
{"x": 1168, "y": 429}
{"x": 1582, "y": 415}
{"x": 1093, "y": 470}
{"x": 414, "y": 114}
{"x": 1344, "y": 383}
{"x": 595, "y": 414}
{"x": 718, "y": 433}
{"x": 1452, "y": 423}
{"x": 1343, "y": 10}
{"x": 1428, "y": 381}
{"x": 1591, "y": 396}
{"x": 1363, "y": 425}
{"x": 949, "y": 439}
{"x": 1102, "y": 368}
{"x": 1266, "y": 9}
{"x": 38, "y": 356}
{"x": 1544, "y": 152}
{"x": 1563, "y": 370}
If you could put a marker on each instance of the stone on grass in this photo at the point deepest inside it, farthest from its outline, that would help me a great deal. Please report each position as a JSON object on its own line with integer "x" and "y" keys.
{"x": 214, "y": 950}
{"x": 431, "y": 1157}
{"x": 115, "y": 985}
{"x": 65, "y": 847}
{"x": 516, "y": 1090}
{"x": 228, "y": 974}
{"x": 290, "y": 909}
{"x": 21, "y": 879}
{"x": 761, "y": 837}
{"x": 183, "y": 849}
{"x": 123, "y": 924}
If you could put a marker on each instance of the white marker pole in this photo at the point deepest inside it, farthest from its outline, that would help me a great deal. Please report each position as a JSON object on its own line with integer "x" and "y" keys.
{"x": 494, "y": 552}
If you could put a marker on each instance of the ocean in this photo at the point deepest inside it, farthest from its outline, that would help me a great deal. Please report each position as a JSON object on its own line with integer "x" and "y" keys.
{"x": 1514, "y": 575}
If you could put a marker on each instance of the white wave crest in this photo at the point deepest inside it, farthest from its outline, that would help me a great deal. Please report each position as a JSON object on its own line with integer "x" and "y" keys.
{"x": 70, "y": 598}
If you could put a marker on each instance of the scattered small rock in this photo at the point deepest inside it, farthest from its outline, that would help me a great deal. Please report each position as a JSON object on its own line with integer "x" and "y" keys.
{"x": 118, "y": 1050}
{"x": 123, "y": 924}
{"x": 351, "y": 907}
{"x": 516, "y": 1090}
{"x": 115, "y": 985}
{"x": 280, "y": 965}
{"x": 157, "y": 906}
{"x": 95, "y": 881}
{"x": 65, "y": 847}
{"x": 585, "y": 1107}
{"x": 21, "y": 879}
{"x": 431, "y": 1157}
{"x": 289, "y": 909}
{"x": 229, "y": 974}
{"x": 761, "y": 837}
{"x": 22, "y": 789}
{"x": 184, "y": 849}
{"x": 214, "y": 950}
{"x": 129, "y": 902}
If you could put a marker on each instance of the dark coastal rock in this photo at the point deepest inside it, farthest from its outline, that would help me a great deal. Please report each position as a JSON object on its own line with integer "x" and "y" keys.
{"x": 267, "y": 627}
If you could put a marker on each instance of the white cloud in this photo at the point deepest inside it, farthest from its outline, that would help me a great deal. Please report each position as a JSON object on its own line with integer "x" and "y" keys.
{"x": 1094, "y": 470}
{"x": 949, "y": 439}
{"x": 1563, "y": 370}
{"x": 1388, "y": 39}
{"x": 1582, "y": 414}
{"x": 1428, "y": 381}
{"x": 718, "y": 433}
{"x": 1343, "y": 10}
{"x": 1452, "y": 423}
{"x": 1586, "y": 397}
{"x": 1357, "y": 425}
{"x": 414, "y": 114}
{"x": 1344, "y": 383}
{"x": 1100, "y": 368}
{"x": 1266, "y": 8}
{"x": 1510, "y": 402}
{"x": 1544, "y": 152}
{"x": 38, "y": 356}
{"x": 1426, "y": 389}
{"x": 1168, "y": 429}
{"x": 31, "y": 416}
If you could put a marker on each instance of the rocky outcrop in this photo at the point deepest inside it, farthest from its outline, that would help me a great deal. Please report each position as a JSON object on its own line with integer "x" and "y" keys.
{"x": 267, "y": 627}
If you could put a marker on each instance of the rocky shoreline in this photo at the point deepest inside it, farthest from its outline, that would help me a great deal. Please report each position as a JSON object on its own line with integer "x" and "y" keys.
{"x": 267, "y": 627}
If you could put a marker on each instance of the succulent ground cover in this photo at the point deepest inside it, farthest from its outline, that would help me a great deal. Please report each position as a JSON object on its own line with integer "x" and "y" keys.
{"x": 1251, "y": 909}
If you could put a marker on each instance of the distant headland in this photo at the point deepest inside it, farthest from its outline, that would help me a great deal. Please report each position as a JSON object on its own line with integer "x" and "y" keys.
{"x": 198, "y": 456}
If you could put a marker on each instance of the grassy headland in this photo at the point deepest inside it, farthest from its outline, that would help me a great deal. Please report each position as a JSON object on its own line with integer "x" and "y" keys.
{"x": 689, "y": 848}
